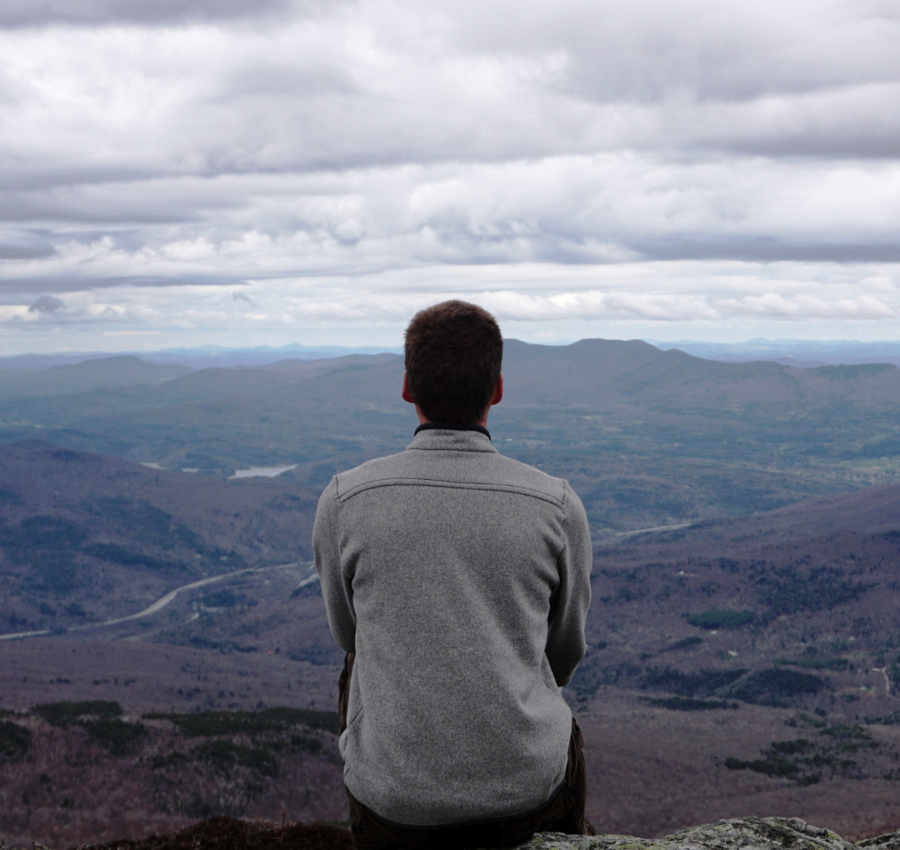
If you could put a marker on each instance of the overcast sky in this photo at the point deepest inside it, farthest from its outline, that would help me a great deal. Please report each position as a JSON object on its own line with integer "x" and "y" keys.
{"x": 185, "y": 172}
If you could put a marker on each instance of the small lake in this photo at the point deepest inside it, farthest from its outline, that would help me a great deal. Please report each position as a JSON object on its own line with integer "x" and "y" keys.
{"x": 261, "y": 471}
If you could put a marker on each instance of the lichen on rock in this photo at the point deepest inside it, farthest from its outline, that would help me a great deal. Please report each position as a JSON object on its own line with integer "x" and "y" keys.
{"x": 732, "y": 834}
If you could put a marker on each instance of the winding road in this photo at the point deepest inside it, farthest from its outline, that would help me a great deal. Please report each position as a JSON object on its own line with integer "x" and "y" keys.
{"x": 655, "y": 528}
{"x": 163, "y": 601}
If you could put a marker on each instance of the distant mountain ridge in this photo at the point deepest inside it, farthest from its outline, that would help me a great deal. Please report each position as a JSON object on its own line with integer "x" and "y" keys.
{"x": 202, "y": 357}
{"x": 648, "y": 437}
{"x": 596, "y": 372}
{"x": 85, "y": 375}
{"x": 792, "y": 352}
{"x": 788, "y": 352}
{"x": 533, "y": 372}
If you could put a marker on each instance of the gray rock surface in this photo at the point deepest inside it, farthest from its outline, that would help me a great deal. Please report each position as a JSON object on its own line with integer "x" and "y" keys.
{"x": 733, "y": 834}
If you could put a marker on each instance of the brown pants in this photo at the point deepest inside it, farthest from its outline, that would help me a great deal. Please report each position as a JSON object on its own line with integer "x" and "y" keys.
{"x": 564, "y": 812}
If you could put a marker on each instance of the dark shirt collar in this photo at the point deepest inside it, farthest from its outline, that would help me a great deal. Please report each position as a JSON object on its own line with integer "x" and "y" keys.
{"x": 452, "y": 426}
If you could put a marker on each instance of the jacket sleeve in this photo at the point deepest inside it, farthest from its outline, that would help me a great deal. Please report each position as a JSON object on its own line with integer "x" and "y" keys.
{"x": 572, "y": 597}
{"x": 337, "y": 589}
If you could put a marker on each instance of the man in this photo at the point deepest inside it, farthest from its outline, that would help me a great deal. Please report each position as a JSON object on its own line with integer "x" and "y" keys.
{"x": 458, "y": 582}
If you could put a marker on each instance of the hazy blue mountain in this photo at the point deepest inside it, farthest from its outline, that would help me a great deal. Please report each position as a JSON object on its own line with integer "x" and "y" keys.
{"x": 202, "y": 357}
{"x": 788, "y": 352}
{"x": 792, "y": 352}
{"x": 101, "y": 373}
{"x": 647, "y": 436}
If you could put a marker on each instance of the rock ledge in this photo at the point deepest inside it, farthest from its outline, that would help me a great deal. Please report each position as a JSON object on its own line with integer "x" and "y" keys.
{"x": 732, "y": 834}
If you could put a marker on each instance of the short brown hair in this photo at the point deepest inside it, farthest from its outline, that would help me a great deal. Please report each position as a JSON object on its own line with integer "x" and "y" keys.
{"x": 453, "y": 352}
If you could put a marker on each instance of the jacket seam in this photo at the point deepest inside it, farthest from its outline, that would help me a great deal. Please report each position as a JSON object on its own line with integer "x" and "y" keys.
{"x": 453, "y": 485}
{"x": 564, "y": 522}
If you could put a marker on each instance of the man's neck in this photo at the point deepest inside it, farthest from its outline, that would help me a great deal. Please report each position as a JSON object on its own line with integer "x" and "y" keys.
{"x": 424, "y": 420}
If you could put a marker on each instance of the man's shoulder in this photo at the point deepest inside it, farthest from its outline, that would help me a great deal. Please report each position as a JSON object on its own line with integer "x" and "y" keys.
{"x": 526, "y": 475}
{"x": 486, "y": 470}
{"x": 371, "y": 470}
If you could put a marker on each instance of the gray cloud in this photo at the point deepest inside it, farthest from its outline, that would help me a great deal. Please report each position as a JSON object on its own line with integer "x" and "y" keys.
{"x": 649, "y": 49}
{"x": 21, "y": 13}
{"x": 768, "y": 250}
{"x": 46, "y": 304}
{"x": 63, "y": 282}
{"x": 242, "y": 296}
{"x": 25, "y": 246}
{"x": 263, "y": 79}
{"x": 164, "y": 150}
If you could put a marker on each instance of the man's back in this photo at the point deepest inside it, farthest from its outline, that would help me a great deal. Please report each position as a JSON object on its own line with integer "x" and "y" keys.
{"x": 460, "y": 578}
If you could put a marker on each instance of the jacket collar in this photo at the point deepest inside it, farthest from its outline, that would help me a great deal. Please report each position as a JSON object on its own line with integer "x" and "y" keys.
{"x": 452, "y": 426}
{"x": 449, "y": 438}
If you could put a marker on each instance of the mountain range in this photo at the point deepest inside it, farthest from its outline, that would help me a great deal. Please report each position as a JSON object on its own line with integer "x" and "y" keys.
{"x": 650, "y": 437}
{"x": 744, "y": 640}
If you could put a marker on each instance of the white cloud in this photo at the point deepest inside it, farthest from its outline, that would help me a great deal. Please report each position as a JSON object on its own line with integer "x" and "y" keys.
{"x": 775, "y": 305}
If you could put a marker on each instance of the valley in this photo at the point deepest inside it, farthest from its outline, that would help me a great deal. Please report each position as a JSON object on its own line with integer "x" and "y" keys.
{"x": 744, "y": 635}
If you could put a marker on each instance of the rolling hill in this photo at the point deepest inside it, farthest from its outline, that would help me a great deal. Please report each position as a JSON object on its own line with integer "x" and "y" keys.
{"x": 85, "y": 538}
{"x": 100, "y": 373}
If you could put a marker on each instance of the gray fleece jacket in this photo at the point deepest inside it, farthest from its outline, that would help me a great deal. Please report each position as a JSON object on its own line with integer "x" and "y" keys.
{"x": 461, "y": 580}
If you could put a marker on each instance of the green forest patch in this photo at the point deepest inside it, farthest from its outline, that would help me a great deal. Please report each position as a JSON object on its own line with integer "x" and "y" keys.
{"x": 70, "y": 713}
{"x": 210, "y": 723}
{"x": 828, "y": 753}
{"x": 786, "y": 590}
{"x": 714, "y": 620}
{"x": 689, "y": 704}
{"x": 702, "y": 684}
{"x": 117, "y": 735}
{"x": 99, "y": 718}
{"x": 685, "y": 643}
{"x": 837, "y": 665}
{"x": 776, "y": 687}
{"x": 14, "y": 739}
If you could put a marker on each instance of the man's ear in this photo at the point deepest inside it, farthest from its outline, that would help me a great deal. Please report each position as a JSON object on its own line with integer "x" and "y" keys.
{"x": 498, "y": 393}
{"x": 405, "y": 393}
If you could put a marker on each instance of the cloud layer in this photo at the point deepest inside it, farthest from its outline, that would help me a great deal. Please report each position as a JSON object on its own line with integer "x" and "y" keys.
{"x": 191, "y": 171}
